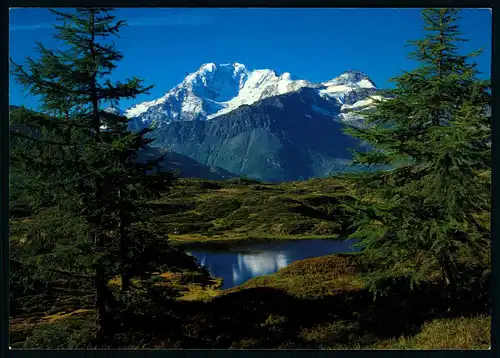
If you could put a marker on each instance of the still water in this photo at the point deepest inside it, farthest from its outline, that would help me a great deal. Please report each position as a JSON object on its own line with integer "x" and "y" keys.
{"x": 241, "y": 262}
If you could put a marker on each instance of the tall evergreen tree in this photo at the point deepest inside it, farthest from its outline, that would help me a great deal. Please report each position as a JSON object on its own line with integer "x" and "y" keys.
{"x": 431, "y": 211}
{"x": 82, "y": 158}
{"x": 129, "y": 187}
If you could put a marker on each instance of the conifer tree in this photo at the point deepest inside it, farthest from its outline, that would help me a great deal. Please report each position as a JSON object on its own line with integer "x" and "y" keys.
{"x": 130, "y": 186}
{"x": 80, "y": 157}
{"x": 430, "y": 212}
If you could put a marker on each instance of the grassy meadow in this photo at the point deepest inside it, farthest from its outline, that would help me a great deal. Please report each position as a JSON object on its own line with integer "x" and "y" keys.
{"x": 202, "y": 211}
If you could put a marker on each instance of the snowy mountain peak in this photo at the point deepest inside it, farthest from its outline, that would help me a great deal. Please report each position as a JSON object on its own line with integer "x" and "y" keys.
{"x": 234, "y": 67}
{"x": 214, "y": 89}
{"x": 210, "y": 67}
{"x": 286, "y": 76}
{"x": 114, "y": 110}
{"x": 238, "y": 65}
{"x": 354, "y": 75}
{"x": 352, "y": 78}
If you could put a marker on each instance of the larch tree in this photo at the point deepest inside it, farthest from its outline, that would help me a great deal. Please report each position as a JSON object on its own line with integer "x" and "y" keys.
{"x": 80, "y": 160}
{"x": 430, "y": 212}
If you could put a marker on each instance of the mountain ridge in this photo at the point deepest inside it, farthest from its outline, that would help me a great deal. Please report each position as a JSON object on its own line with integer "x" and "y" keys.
{"x": 279, "y": 138}
{"x": 217, "y": 89}
{"x": 259, "y": 123}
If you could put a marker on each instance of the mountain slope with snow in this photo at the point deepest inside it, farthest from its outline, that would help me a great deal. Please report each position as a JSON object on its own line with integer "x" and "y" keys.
{"x": 279, "y": 138}
{"x": 259, "y": 123}
{"x": 217, "y": 89}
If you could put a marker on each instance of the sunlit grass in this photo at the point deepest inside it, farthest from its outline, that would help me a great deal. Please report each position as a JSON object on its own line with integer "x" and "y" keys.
{"x": 198, "y": 211}
{"x": 61, "y": 315}
{"x": 449, "y": 333}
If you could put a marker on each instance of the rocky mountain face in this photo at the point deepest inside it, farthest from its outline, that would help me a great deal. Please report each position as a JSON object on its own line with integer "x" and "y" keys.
{"x": 258, "y": 123}
{"x": 210, "y": 91}
{"x": 279, "y": 138}
{"x": 215, "y": 89}
{"x": 185, "y": 166}
{"x": 269, "y": 126}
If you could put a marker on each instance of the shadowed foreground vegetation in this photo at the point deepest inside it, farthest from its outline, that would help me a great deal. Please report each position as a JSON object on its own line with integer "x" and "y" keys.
{"x": 313, "y": 303}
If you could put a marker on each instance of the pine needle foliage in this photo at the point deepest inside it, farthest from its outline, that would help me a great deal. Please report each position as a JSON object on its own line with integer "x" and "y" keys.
{"x": 430, "y": 212}
{"x": 76, "y": 165}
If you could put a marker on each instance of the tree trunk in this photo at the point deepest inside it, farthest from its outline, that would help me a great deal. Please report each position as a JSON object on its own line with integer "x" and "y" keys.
{"x": 100, "y": 279}
{"x": 124, "y": 254}
{"x": 100, "y": 296}
{"x": 449, "y": 278}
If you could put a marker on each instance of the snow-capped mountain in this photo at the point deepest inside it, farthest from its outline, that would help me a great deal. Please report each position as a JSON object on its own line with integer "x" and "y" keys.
{"x": 278, "y": 138}
{"x": 114, "y": 110}
{"x": 259, "y": 123}
{"x": 217, "y": 89}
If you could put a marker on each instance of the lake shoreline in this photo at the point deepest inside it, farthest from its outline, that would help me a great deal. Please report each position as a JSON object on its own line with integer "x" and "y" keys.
{"x": 184, "y": 241}
{"x": 236, "y": 262}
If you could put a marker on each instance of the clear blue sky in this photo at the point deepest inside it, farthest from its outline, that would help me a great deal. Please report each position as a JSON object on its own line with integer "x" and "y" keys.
{"x": 162, "y": 45}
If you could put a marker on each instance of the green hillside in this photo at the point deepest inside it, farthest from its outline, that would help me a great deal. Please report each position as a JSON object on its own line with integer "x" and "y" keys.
{"x": 199, "y": 210}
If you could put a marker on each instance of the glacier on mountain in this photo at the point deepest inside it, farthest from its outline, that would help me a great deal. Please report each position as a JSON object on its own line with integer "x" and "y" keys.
{"x": 216, "y": 89}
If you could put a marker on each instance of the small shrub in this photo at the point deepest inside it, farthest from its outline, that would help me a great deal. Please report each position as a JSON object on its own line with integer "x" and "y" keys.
{"x": 318, "y": 200}
{"x": 158, "y": 279}
{"x": 296, "y": 228}
{"x": 327, "y": 228}
{"x": 191, "y": 277}
{"x": 262, "y": 188}
{"x": 210, "y": 185}
{"x": 245, "y": 343}
{"x": 186, "y": 227}
{"x": 239, "y": 214}
{"x": 332, "y": 334}
{"x": 244, "y": 180}
{"x": 334, "y": 265}
{"x": 273, "y": 319}
{"x": 217, "y": 207}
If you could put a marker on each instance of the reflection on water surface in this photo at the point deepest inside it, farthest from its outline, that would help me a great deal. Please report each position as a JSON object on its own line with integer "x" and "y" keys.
{"x": 241, "y": 262}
